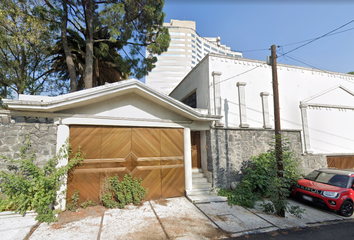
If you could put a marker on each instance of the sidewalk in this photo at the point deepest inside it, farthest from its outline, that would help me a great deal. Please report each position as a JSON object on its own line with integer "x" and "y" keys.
{"x": 174, "y": 218}
{"x": 238, "y": 221}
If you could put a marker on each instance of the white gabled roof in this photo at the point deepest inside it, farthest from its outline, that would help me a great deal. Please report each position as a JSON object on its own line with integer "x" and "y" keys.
{"x": 92, "y": 95}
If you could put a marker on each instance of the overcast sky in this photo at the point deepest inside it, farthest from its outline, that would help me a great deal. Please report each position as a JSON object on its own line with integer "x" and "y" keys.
{"x": 252, "y": 26}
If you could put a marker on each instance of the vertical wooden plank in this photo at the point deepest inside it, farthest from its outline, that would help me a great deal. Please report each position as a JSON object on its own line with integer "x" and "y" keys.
{"x": 146, "y": 161}
{"x": 87, "y": 182}
{"x": 172, "y": 165}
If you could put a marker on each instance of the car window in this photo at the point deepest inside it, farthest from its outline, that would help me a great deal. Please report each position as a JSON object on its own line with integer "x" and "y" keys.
{"x": 312, "y": 175}
{"x": 333, "y": 179}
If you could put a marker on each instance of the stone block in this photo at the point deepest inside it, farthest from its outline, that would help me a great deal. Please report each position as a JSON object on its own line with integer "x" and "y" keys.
{"x": 16, "y": 147}
{"x": 5, "y": 120}
{"x": 52, "y": 130}
{"x": 4, "y": 149}
{"x": 15, "y": 128}
{"x": 10, "y": 140}
{"x": 43, "y": 127}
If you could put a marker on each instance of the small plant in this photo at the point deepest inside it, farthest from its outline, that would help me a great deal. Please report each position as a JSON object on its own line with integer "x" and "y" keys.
{"x": 74, "y": 204}
{"x": 28, "y": 186}
{"x": 120, "y": 193}
{"x": 88, "y": 203}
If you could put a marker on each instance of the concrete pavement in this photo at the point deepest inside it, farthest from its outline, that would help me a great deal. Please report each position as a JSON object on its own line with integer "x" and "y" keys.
{"x": 238, "y": 221}
{"x": 173, "y": 218}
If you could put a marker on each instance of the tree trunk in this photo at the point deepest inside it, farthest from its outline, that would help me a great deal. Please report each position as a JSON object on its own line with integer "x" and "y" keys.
{"x": 68, "y": 56}
{"x": 89, "y": 44}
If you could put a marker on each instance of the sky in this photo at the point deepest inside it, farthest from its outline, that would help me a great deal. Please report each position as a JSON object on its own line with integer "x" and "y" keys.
{"x": 252, "y": 26}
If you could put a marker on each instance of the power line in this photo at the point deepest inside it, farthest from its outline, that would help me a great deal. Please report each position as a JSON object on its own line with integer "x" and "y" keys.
{"x": 317, "y": 38}
{"x": 242, "y": 73}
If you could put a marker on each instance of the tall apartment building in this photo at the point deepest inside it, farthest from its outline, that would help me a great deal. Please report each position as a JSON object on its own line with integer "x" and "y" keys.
{"x": 186, "y": 50}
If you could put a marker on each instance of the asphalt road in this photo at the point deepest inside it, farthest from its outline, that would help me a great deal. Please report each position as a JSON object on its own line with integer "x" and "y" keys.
{"x": 340, "y": 231}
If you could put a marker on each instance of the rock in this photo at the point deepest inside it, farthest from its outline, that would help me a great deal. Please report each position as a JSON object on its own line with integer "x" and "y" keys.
{"x": 233, "y": 185}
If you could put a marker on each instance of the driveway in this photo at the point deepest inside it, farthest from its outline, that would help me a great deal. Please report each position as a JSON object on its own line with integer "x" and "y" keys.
{"x": 173, "y": 218}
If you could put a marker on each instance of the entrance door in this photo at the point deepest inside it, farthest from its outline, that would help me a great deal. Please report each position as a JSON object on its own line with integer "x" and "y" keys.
{"x": 195, "y": 140}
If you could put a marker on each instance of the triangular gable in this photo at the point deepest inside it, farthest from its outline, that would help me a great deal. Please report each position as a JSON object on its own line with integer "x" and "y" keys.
{"x": 338, "y": 97}
{"x": 103, "y": 93}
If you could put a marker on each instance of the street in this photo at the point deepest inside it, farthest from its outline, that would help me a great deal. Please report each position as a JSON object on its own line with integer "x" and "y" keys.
{"x": 341, "y": 230}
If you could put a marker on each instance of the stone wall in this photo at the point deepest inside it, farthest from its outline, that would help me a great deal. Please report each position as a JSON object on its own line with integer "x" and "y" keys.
{"x": 230, "y": 150}
{"x": 14, "y": 132}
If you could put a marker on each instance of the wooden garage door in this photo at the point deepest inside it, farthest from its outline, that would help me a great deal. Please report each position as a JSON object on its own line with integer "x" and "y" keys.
{"x": 341, "y": 162}
{"x": 154, "y": 155}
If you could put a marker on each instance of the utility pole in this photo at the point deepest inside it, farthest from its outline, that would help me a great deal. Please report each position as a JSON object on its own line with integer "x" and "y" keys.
{"x": 278, "y": 146}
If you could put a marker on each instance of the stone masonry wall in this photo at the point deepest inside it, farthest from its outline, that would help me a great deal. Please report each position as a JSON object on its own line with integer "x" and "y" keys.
{"x": 14, "y": 132}
{"x": 230, "y": 150}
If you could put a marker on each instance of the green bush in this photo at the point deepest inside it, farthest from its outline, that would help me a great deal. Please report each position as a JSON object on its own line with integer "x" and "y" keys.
{"x": 121, "y": 193}
{"x": 261, "y": 181}
{"x": 29, "y": 187}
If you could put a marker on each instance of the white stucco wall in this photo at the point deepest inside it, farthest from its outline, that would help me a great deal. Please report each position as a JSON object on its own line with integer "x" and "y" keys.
{"x": 330, "y": 130}
{"x": 196, "y": 80}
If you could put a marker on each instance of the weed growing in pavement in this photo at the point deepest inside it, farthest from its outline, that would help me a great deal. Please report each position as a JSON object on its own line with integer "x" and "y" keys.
{"x": 74, "y": 204}
{"x": 262, "y": 181}
{"x": 120, "y": 193}
{"x": 29, "y": 187}
{"x": 87, "y": 203}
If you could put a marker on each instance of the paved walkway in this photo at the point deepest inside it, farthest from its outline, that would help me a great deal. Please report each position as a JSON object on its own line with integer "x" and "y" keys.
{"x": 174, "y": 218}
{"x": 238, "y": 221}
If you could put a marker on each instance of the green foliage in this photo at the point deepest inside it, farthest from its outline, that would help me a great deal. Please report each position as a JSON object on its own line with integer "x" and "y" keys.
{"x": 262, "y": 180}
{"x": 25, "y": 44}
{"x": 28, "y": 186}
{"x": 121, "y": 193}
{"x": 119, "y": 32}
{"x": 74, "y": 204}
{"x": 87, "y": 203}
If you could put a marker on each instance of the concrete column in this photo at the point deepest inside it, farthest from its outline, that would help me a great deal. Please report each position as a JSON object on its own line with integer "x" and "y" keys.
{"x": 265, "y": 110}
{"x": 242, "y": 104}
{"x": 62, "y": 136}
{"x": 187, "y": 159}
{"x": 305, "y": 128}
{"x": 217, "y": 97}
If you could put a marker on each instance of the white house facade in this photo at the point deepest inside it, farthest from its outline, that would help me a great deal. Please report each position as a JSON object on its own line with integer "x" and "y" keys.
{"x": 316, "y": 111}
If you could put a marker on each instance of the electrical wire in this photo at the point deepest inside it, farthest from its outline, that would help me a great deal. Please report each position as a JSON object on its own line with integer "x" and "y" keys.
{"x": 315, "y": 39}
{"x": 241, "y": 73}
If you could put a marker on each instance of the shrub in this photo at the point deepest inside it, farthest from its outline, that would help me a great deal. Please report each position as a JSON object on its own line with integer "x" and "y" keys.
{"x": 261, "y": 180}
{"x": 28, "y": 186}
{"x": 120, "y": 193}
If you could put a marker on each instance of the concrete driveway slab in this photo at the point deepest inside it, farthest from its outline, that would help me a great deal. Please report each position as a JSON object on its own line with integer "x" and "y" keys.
{"x": 85, "y": 229}
{"x": 14, "y": 226}
{"x": 182, "y": 220}
{"x": 315, "y": 214}
{"x": 233, "y": 219}
{"x": 288, "y": 222}
{"x": 133, "y": 222}
{"x": 312, "y": 215}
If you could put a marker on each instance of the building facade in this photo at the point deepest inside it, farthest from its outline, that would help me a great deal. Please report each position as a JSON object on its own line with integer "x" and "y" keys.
{"x": 186, "y": 50}
{"x": 316, "y": 111}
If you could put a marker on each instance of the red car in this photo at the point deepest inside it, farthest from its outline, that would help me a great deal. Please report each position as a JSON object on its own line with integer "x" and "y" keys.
{"x": 332, "y": 188}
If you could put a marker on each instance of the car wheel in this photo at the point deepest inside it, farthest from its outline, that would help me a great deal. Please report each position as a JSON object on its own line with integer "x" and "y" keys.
{"x": 346, "y": 209}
